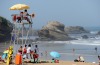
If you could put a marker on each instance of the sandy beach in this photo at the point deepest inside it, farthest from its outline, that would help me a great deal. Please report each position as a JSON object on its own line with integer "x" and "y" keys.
{"x": 67, "y": 63}
{"x": 60, "y": 63}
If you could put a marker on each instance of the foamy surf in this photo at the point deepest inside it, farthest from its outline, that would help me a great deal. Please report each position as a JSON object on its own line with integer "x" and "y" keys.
{"x": 86, "y": 42}
{"x": 94, "y": 32}
{"x": 81, "y": 42}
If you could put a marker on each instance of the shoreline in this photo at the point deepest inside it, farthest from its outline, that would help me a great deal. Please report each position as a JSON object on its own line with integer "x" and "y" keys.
{"x": 66, "y": 52}
{"x": 60, "y": 63}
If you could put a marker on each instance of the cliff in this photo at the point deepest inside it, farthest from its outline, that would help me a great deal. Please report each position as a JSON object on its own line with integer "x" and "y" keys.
{"x": 5, "y": 29}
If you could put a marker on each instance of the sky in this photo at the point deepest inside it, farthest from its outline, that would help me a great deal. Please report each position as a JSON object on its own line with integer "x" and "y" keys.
{"x": 84, "y": 13}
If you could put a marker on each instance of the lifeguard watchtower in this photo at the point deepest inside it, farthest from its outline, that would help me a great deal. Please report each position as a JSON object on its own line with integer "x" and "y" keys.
{"x": 22, "y": 23}
{"x": 22, "y": 29}
{"x": 22, "y": 26}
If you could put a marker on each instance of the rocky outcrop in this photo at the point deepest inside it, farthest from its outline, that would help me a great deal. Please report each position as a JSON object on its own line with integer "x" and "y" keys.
{"x": 54, "y": 25}
{"x": 54, "y": 31}
{"x": 75, "y": 30}
{"x": 5, "y": 29}
{"x": 98, "y": 33}
{"x": 85, "y": 37}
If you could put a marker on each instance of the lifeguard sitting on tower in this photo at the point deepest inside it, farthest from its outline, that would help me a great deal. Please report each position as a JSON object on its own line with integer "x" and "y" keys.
{"x": 22, "y": 16}
{"x": 25, "y": 16}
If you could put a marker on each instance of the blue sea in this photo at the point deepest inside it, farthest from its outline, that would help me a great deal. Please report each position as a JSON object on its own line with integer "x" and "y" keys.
{"x": 83, "y": 47}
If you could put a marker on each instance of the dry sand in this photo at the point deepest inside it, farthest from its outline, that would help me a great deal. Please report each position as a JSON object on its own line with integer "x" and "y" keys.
{"x": 60, "y": 63}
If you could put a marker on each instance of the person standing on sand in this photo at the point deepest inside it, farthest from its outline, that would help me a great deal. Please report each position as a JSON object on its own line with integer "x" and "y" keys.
{"x": 29, "y": 52}
{"x": 24, "y": 51}
{"x": 20, "y": 49}
{"x": 36, "y": 55}
{"x": 36, "y": 50}
{"x": 99, "y": 57}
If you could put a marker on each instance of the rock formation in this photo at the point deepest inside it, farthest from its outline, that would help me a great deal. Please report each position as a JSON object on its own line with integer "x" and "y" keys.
{"x": 54, "y": 31}
{"x": 54, "y": 25}
{"x": 98, "y": 33}
{"x": 5, "y": 29}
{"x": 75, "y": 30}
{"x": 84, "y": 37}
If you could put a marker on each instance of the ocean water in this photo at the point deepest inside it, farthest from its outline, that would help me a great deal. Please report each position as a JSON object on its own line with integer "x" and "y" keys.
{"x": 84, "y": 47}
{"x": 93, "y": 28}
{"x": 66, "y": 50}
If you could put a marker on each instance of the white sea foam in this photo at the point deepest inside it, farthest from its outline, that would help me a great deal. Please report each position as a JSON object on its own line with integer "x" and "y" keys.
{"x": 86, "y": 42}
{"x": 94, "y": 32}
{"x": 81, "y": 42}
{"x": 53, "y": 42}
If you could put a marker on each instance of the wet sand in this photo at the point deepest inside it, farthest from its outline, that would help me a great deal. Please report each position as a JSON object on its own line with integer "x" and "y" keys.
{"x": 60, "y": 63}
